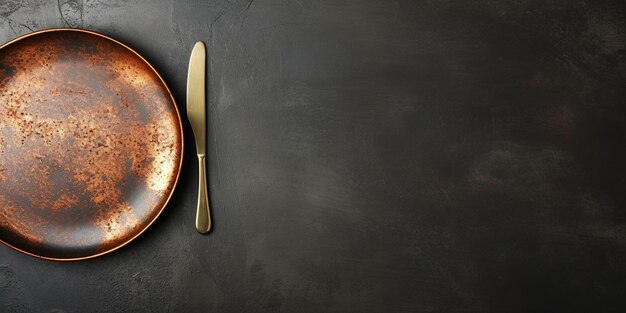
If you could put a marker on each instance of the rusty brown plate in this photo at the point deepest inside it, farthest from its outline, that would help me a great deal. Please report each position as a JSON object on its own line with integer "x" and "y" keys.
{"x": 90, "y": 144}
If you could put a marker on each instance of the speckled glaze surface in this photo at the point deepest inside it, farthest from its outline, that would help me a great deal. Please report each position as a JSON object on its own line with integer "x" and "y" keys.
{"x": 90, "y": 144}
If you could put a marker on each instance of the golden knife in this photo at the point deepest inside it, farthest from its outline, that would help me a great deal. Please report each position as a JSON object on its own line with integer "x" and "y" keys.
{"x": 196, "y": 113}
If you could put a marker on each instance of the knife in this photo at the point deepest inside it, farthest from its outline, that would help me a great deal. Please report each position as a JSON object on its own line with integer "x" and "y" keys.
{"x": 196, "y": 113}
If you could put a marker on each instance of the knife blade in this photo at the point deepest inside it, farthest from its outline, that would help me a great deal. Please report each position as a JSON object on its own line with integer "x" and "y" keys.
{"x": 196, "y": 113}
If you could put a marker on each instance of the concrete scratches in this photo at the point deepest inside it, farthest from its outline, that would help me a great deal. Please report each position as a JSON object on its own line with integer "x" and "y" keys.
{"x": 71, "y": 12}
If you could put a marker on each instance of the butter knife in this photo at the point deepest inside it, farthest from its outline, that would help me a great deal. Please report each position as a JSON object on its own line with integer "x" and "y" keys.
{"x": 196, "y": 113}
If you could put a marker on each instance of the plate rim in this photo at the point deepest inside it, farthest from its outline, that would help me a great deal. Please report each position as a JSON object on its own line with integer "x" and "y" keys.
{"x": 178, "y": 119}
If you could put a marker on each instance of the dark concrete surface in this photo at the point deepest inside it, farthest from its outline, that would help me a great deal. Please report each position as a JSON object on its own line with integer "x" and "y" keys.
{"x": 370, "y": 156}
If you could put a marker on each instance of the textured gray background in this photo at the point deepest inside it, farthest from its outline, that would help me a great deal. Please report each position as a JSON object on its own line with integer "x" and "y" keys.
{"x": 370, "y": 156}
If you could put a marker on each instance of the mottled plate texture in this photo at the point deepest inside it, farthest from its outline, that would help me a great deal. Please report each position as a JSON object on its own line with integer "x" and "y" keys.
{"x": 90, "y": 144}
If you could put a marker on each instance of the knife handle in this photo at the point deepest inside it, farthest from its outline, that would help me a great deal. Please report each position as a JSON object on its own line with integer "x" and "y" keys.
{"x": 203, "y": 214}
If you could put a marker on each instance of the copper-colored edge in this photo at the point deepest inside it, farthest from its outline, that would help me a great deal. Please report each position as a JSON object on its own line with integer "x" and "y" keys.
{"x": 180, "y": 124}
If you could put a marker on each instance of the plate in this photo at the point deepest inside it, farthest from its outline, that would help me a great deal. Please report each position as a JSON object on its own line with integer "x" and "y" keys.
{"x": 90, "y": 144}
